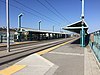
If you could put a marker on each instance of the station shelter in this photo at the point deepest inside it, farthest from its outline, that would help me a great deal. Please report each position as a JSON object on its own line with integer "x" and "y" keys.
{"x": 77, "y": 27}
{"x": 29, "y": 34}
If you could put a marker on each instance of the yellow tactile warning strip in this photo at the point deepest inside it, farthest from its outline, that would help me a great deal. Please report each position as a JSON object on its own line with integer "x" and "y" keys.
{"x": 12, "y": 69}
{"x": 52, "y": 48}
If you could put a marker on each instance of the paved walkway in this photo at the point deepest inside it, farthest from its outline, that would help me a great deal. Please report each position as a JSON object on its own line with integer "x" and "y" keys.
{"x": 69, "y": 59}
{"x": 31, "y": 65}
{"x": 92, "y": 66}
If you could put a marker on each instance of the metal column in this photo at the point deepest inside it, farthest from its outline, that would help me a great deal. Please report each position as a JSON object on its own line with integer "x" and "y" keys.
{"x": 82, "y": 32}
{"x": 82, "y": 38}
{"x": 8, "y": 25}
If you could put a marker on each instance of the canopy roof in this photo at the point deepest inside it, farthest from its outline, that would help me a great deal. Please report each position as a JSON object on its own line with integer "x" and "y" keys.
{"x": 23, "y": 29}
{"x": 76, "y": 27}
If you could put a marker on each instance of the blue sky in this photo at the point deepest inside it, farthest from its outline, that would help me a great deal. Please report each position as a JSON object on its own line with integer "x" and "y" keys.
{"x": 70, "y": 9}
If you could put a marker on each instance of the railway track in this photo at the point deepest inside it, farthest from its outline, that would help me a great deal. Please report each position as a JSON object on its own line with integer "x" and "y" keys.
{"x": 19, "y": 53}
{"x": 27, "y": 44}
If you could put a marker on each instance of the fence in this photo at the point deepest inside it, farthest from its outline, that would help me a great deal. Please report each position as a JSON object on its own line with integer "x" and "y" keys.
{"x": 95, "y": 43}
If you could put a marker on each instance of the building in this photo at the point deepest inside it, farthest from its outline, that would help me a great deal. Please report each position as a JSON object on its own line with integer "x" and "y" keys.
{"x": 3, "y": 34}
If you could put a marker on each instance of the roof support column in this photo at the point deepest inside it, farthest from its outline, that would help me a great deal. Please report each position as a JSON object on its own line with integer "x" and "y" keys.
{"x": 82, "y": 39}
{"x": 82, "y": 32}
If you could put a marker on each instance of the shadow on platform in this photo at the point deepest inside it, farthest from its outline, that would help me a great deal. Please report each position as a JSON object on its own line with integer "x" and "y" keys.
{"x": 78, "y": 40}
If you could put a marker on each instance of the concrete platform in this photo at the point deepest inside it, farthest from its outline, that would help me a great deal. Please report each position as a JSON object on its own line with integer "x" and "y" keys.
{"x": 35, "y": 65}
{"x": 31, "y": 65}
{"x": 91, "y": 64}
{"x": 72, "y": 59}
{"x": 67, "y": 59}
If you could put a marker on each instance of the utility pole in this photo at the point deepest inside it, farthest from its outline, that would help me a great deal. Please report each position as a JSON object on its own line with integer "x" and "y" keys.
{"x": 8, "y": 25}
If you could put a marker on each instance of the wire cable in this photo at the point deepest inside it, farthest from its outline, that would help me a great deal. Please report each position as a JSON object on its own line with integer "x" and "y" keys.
{"x": 34, "y": 10}
{"x": 26, "y": 11}
{"x": 56, "y": 10}
{"x": 49, "y": 9}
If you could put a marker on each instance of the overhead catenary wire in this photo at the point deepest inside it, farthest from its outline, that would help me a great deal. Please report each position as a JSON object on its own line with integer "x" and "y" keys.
{"x": 34, "y": 10}
{"x": 28, "y": 12}
{"x": 20, "y": 9}
{"x": 56, "y": 10}
{"x": 49, "y": 9}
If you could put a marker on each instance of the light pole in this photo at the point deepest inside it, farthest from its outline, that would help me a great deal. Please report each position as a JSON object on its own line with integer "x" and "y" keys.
{"x": 19, "y": 20}
{"x": 39, "y": 24}
{"x": 8, "y": 25}
{"x": 19, "y": 25}
{"x": 82, "y": 32}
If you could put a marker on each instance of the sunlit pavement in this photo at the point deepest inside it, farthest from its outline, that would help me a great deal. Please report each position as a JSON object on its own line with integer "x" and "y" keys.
{"x": 69, "y": 59}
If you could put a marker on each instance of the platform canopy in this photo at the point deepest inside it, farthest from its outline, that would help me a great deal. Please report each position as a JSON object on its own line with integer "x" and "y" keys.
{"x": 24, "y": 29}
{"x": 76, "y": 27}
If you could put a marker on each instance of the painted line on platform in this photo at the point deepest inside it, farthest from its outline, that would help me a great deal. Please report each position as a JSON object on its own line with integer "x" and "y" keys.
{"x": 75, "y": 54}
{"x": 52, "y": 48}
{"x": 12, "y": 69}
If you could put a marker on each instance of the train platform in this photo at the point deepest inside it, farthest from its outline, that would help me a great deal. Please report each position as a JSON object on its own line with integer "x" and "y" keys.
{"x": 25, "y": 42}
{"x": 65, "y": 59}
{"x": 16, "y": 43}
